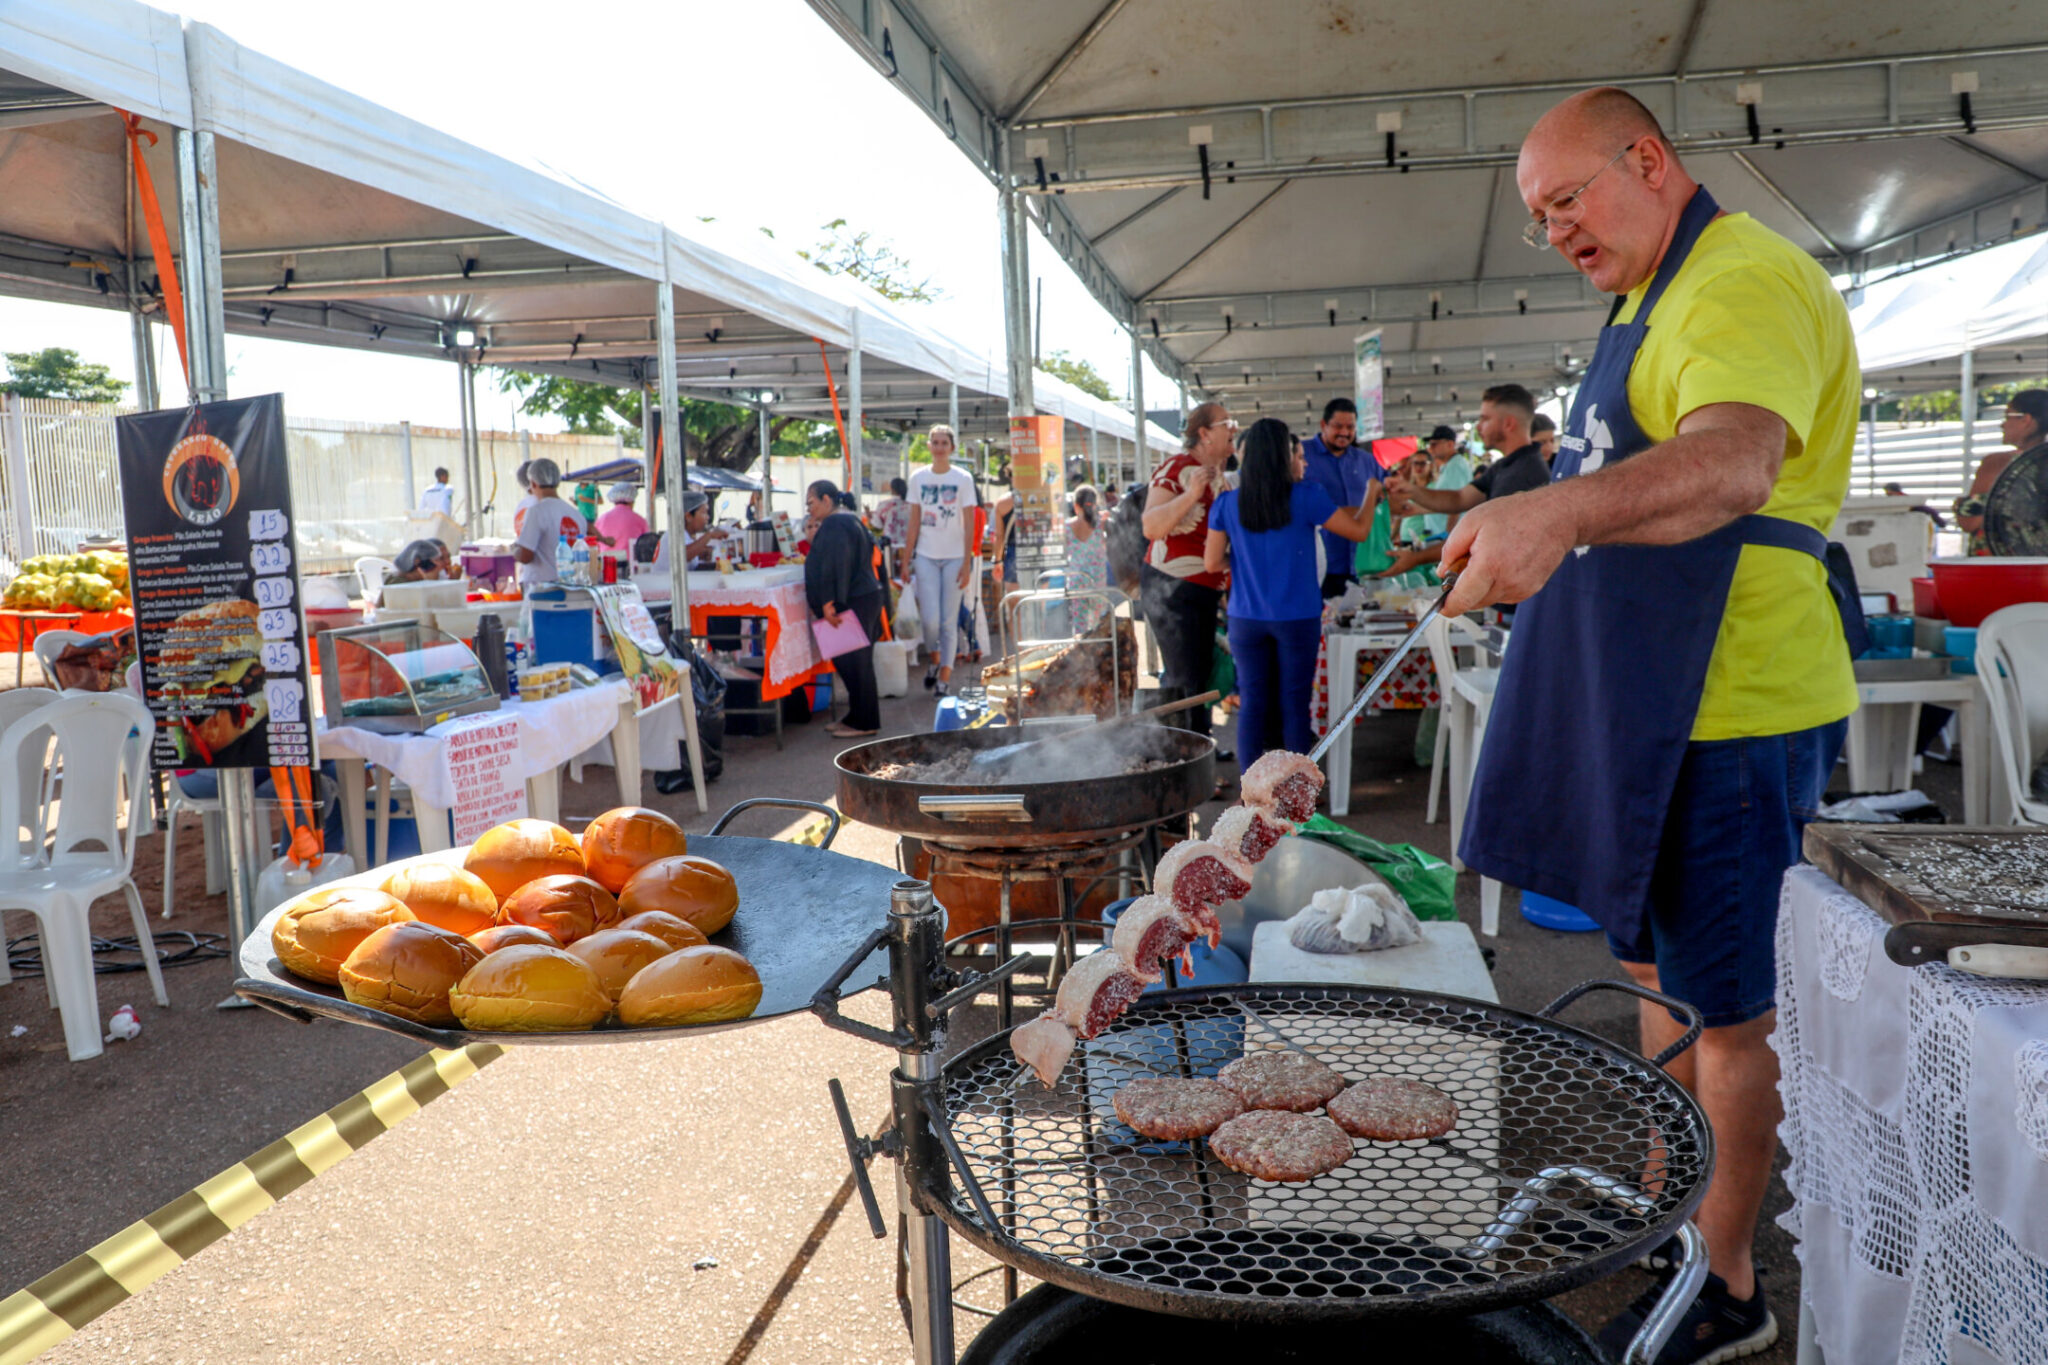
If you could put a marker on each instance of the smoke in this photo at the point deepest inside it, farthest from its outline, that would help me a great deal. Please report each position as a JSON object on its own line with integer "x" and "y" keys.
{"x": 1089, "y": 755}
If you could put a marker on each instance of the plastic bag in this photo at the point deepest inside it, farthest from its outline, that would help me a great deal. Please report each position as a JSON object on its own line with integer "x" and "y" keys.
{"x": 1376, "y": 551}
{"x": 1362, "y": 919}
{"x": 908, "y": 624}
{"x": 1425, "y": 881}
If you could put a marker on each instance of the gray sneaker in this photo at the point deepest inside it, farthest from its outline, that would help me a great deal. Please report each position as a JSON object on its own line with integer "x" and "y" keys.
{"x": 1717, "y": 1326}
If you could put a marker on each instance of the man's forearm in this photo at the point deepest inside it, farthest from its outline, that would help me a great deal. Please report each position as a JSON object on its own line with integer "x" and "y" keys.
{"x": 1678, "y": 490}
{"x": 1438, "y": 499}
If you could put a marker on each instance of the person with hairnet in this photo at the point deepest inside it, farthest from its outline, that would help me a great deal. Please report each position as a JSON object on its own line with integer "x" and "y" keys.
{"x": 421, "y": 561}
{"x": 546, "y": 521}
{"x": 619, "y": 523}
{"x": 700, "y": 536}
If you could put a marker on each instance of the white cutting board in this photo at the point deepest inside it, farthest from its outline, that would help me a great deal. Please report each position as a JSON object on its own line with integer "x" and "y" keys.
{"x": 1447, "y": 962}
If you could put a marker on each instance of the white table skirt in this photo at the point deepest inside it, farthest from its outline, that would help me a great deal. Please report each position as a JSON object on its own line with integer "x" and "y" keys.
{"x": 1916, "y": 1120}
{"x": 551, "y": 732}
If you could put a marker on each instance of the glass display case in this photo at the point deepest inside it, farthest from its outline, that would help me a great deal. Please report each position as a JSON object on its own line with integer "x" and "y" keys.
{"x": 399, "y": 677}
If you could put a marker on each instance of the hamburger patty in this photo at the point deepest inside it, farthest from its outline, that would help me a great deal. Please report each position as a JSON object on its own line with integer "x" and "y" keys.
{"x": 1390, "y": 1109}
{"x": 1272, "y": 1145}
{"x": 1163, "y": 1107}
{"x": 1281, "y": 1080}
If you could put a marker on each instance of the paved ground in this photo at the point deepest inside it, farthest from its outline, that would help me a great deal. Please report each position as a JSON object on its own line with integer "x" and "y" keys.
{"x": 673, "y": 1201}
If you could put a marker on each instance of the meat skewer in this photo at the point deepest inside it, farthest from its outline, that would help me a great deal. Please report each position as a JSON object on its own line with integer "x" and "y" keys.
{"x": 1250, "y": 831}
{"x": 1151, "y": 930}
{"x": 1095, "y": 991}
{"x": 1198, "y": 875}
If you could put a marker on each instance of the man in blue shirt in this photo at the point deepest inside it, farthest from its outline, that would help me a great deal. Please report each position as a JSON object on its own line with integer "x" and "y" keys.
{"x": 1344, "y": 469}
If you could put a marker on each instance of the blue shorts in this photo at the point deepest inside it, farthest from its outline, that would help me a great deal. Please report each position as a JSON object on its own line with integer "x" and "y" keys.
{"x": 1734, "y": 827}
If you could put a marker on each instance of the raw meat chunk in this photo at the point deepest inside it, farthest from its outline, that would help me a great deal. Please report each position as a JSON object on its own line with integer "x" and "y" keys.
{"x": 1249, "y": 831}
{"x": 1148, "y": 931}
{"x": 1098, "y": 989}
{"x": 1289, "y": 783}
{"x": 1044, "y": 1045}
{"x": 1199, "y": 874}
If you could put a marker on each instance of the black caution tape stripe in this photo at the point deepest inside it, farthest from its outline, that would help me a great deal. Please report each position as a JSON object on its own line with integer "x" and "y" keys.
{"x": 34, "y": 1319}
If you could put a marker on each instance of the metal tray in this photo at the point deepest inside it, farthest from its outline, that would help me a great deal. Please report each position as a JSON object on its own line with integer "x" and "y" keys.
{"x": 802, "y": 911}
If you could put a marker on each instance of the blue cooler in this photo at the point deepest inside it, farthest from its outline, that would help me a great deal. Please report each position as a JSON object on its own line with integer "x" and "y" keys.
{"x": 564, "y": 626}
{"x": 1545, "y": 913}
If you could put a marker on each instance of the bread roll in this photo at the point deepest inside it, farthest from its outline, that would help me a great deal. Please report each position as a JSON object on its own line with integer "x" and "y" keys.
{"x": 691, "y": 986}
{"x": 407, "y": 969}
{"x": 318, "y": 931}
{"x": 510, "y": 855}
{"x": 530, "y": 989}
{"x": 676, "y": 933}
{"x": 621, "y": 842}
{"x": 506, "y": 935}
{"x": 567, "y": 907}
{"x": 690, "y": 888}
{"x": 615, "y": 954}
{"x": 449, "y": 897}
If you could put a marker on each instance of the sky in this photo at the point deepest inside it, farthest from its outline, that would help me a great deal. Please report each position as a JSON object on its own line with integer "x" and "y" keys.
{"x": 753, "y": 113}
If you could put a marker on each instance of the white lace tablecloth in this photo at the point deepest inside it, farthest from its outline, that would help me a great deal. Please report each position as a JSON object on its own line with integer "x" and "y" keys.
{"x": 551, "y": 733}
{"x": 1916, "y": 1120}
{"x": 776, "y": 595}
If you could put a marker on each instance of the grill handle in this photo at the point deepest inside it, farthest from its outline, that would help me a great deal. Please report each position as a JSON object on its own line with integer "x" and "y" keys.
{"x": 792, "y": 802}
{"x": 1693, "y": 1022}
{"x": 860, "y": 1151}
{"x": 998, "y": 805}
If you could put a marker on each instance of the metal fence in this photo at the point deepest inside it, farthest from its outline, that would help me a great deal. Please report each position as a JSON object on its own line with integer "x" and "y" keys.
{"x": 354, "y": 484}
{"x": 1925, "y": 459}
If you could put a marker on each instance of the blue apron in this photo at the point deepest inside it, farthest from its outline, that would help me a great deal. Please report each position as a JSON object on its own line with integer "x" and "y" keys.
{"x": 1600, "y": 690}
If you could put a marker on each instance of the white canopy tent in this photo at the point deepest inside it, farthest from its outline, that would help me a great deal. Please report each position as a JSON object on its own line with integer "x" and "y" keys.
{"x": 1248, "y": 186}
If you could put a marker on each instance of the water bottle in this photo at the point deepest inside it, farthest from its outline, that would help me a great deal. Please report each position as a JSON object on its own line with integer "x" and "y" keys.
{"x": 583, "y": 561}
{"x": 565, "y": 560}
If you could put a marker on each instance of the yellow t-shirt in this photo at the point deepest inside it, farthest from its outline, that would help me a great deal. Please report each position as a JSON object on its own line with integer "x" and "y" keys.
{"x": 1752, "y": 319}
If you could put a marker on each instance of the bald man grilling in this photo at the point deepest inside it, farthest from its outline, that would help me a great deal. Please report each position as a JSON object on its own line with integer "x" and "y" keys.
{"x": 1679, "y": 681}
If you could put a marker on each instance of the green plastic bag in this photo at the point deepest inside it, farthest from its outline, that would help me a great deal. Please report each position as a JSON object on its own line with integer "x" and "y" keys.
{"x": 1424, "y": 880}
{"x": 1376, "y": 551}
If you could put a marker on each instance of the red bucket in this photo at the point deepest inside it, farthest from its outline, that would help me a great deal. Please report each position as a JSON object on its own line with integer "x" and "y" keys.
{"x": 1926, "y": 601}
{"x": 1971, "y": 589}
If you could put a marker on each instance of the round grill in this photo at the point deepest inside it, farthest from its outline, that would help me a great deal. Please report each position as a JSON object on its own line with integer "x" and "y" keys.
{"x": 1571, "y": 1156}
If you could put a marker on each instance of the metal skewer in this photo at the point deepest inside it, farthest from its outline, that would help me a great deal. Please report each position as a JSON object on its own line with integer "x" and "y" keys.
{"x": 1383, "y": 672}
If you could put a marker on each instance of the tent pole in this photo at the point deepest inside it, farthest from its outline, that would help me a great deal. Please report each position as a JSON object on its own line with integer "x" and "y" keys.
{"x": 476, "y": 453}
{"x": 206, "y": 346}
{"x": 767, "y": 465}
{"x": 1183, "y": 404}
{"x": 1014, "y": 242}
{"x": 1094, "y": 461}
{"x": 853, "y": 409}
{"x": 1138, "y": 404}
{"x": 678, "y": 535}
{"x": 952, "y": 415}
{"x": 405, "y": 465}
{"x": 463, "y": 395}
{"x": 654, "y": 515}
{"x": 1968, "y": 396}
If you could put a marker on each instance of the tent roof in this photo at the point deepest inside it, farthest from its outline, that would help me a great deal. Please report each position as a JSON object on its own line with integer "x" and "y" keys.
{"x": 345, "y": 223}
{"x": 1360, "y": 159}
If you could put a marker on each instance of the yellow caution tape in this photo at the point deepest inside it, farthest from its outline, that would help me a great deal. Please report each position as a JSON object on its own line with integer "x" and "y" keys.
{"x": 34, "y": 1319}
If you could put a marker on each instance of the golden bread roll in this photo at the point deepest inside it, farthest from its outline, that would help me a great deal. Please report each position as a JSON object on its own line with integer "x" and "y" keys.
{"x": 445, "y": 896}
{"x": 688, "y": 887}
{"x": 510, "y": 855}
{"x": 621, "y": 842}
{"x": 676, "y": 933}
{"x": 318, "y": 931}
{"x": 567, "y": 907}
{"x": 407, "y": 969}
{"x": 506, "y": 935}
{"x": 691, "y": 986}
{"x": 615, "y": 954}
{"x": 530, "y": 989}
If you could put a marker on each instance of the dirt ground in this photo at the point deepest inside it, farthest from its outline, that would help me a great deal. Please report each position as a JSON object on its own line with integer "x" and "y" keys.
{"x": 95, "y": 1145}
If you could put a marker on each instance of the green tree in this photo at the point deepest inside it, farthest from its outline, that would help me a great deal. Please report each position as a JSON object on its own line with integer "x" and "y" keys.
{"x": 1080, "y": 373}
{"x": 875, "y": 264}
{"x": 1946, "y": 405}
{"x": 59, "y": 373}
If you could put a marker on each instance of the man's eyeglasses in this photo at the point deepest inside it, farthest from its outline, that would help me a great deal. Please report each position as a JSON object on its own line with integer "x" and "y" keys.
{"x": 1566, "y": 211}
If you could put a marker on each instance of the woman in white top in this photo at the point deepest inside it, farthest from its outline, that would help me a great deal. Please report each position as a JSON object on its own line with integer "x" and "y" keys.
{"x": 937, "y": 560}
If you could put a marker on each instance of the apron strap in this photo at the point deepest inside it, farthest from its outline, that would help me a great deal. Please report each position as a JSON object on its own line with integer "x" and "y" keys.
{"x": 1758, "y": 529}
{"x": 1700, "y": 210}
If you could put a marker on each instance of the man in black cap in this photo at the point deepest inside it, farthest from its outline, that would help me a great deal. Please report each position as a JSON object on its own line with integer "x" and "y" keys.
{"x": 1442, "y": 444}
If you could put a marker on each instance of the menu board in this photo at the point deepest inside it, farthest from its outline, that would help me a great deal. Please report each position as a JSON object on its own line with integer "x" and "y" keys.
{"x": 1037, "y": 480}
{"x": 206, "y": 494}
{"x": 480, "y": 764}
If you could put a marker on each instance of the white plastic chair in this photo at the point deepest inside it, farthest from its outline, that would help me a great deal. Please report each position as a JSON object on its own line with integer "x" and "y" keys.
{"x": 371, "y": 571}
{"x": 2012, "y": 667}
{"x": 49, "y": 645}
{"x": 27, "y": 836}
{"x": 1467, "y": 700}
{"x": 103, "y": 741}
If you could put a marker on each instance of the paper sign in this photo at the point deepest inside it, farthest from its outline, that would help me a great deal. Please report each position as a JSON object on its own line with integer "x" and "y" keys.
{"x": 1037, "y": 480}
{"x": 1369, "y": 375}
{"x": 480, "y": 765}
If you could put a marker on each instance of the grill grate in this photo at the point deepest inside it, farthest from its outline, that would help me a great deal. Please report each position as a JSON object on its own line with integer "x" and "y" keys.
{"x": 1570, "y": 1156}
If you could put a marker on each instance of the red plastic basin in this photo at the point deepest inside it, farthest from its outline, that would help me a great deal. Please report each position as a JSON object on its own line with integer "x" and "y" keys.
{"x": 1971, "y": 589}
{"x": 1926, "y": 601}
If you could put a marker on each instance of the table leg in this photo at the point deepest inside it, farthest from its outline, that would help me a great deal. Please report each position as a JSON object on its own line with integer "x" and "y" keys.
{"x": 355, "y": 790}
{"x": 1984, "y": 794}
{"x": 544, "y": 795}
{"x": 1855, "y": 745}
{"x": 383, "y": 816}
{"x": 626, "y": 752}
{"x": 1342, "y": 675}
{"x": 432, "y": 822}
